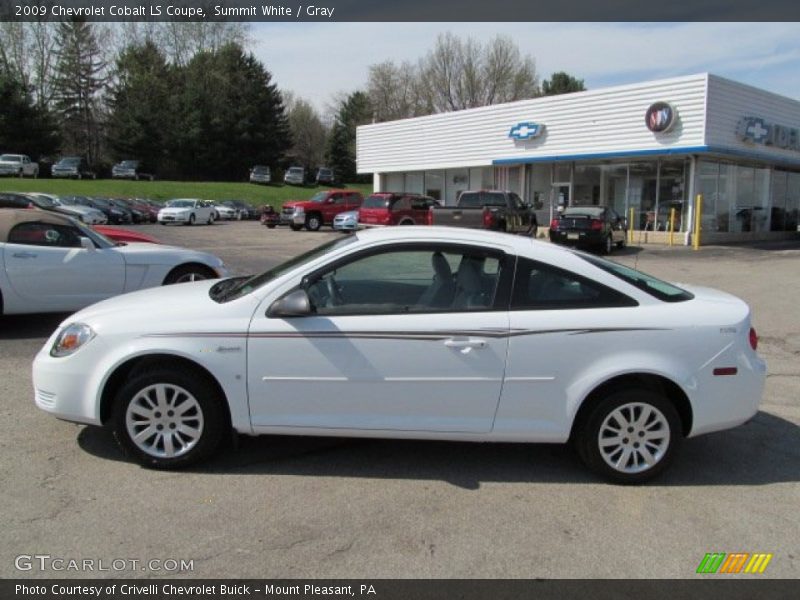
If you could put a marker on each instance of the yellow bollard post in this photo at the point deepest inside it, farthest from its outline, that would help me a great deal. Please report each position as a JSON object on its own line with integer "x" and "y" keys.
{"x": 671, "y": 226}
{"x": 698, "y": 212}
{"x": 630, "y": 226}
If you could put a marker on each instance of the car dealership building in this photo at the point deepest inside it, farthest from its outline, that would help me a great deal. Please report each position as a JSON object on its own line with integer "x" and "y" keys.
{"x": 651, "y": 147}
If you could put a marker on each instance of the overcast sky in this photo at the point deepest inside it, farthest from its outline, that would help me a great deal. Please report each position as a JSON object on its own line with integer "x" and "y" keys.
{"x": 319, "y": 60}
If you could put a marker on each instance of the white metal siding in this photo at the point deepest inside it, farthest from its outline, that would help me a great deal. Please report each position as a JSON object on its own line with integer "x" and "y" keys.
{"x": 729, "y": 101}
{"x": 595, "y": 122}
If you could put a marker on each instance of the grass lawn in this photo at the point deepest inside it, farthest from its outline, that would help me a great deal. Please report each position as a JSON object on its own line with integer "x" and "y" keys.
{"x": 164, "y": 190}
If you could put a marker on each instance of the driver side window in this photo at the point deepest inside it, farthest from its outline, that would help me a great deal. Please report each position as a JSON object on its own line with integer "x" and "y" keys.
{"x": 44, "y": 234}
{"x": 413, "y": 280}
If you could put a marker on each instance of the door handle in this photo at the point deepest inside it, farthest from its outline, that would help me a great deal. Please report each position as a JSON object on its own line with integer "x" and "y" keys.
{"x": 465, "y": 346}
{"x": 24, "y": 255}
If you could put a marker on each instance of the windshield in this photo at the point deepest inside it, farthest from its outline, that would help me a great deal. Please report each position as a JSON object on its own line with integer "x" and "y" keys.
{"x": 376, "y": 202}
{"x": 647, "y": 283}
{"x": 11, "y": 157}
{"x": 181, "y": 203}
{"x": 101, "y": 202}
{"x": 318, "y": 197}
{"x": 99, "y": 239}
{"x": 296, "y": 170}
{"x": 480, "y": 199}
{"x": 260, "y": 169}
{"x": 45, "y": 201}
{"x": 255, "y": 282}
{"x": 69, "y": 162}
{"x": 129, "y": 164}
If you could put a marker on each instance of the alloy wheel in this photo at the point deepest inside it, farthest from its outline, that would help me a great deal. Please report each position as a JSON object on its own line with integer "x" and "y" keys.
{"x": 634, "y": 437}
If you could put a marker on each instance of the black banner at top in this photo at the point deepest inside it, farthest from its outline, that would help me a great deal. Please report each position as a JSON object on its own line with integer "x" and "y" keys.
{"x": 401, "y": 11}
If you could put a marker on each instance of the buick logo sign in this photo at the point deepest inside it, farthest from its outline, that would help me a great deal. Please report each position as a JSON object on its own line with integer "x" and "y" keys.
{"x": 660, "y": 117}
{"x": 525, "y": 131}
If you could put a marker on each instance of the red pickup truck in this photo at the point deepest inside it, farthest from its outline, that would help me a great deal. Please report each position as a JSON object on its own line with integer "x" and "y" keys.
{"x": 320, "y": 209}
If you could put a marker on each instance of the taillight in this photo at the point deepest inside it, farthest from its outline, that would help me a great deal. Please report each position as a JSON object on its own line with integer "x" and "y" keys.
{"x": 753, "y": 339}
{"x": 488, "y": 219}
{"x": 430, "y": 216}
{"x": 596, "y": 225}
{"x": 554, "y": 224}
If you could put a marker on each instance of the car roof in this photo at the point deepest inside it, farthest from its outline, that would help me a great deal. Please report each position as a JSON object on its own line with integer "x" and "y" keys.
{"x": 14, "y": 216}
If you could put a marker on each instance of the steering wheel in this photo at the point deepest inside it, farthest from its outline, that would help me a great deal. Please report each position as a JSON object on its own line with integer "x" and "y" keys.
{"x": 334, "y": 293}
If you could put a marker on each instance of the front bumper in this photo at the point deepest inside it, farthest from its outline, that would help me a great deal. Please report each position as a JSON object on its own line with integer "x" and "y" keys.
{"x": 345, "y": 225}
{"x": 177, "y": 218}
{"x": 293, "y": 218}
{"x": 9, "y": 170}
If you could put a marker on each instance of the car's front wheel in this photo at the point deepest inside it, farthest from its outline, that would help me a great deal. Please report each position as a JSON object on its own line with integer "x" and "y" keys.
{"x": 188, "y": 273}
{"x": 169, "y": 418}
{"x": 313, "y": 222}
{"x": 630, "y": 436}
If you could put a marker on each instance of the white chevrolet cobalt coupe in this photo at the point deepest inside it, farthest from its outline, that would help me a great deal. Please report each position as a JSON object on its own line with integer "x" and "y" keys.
{"x": 53, "y": 263}
{"x": 413, "y": 332}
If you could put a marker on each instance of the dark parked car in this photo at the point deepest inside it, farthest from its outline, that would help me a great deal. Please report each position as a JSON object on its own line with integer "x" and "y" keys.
{"x": 131, "y": 169}
{"x": 270, "y": 217}
{"x": 384, "y": 208}
{"x": 325, "y": 176}
{"x": 74, "y": 167}
{"x": 595, "y": 227}
{"x": 115, "y": 215}
{"x": 137, "y": 215}
{"x": 488, "y": 209}
{"x": 11, "y": 200}
{"x": 260, "y": 174}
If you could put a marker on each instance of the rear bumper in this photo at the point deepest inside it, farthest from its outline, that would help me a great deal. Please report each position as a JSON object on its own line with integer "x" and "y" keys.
{"x": 577, "y": 238}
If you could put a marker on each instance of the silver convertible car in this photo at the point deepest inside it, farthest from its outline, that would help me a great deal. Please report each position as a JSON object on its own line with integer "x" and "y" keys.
{"x": 413, "y": 332}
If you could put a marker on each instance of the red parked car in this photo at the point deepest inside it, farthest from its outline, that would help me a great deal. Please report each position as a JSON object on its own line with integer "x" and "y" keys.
{"x": 124, "y": 235}
{"x": 320, "y": 209}
{"x": 386, "y": 208}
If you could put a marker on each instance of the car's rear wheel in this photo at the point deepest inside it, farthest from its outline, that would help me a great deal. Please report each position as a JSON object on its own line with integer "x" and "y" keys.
{"x": 608, "y": 244}
{"x": 631, "y": 436}
{"x": 270, "y": 226}
{"x": 169, "y": 418}
{"x": 313, "y": 222}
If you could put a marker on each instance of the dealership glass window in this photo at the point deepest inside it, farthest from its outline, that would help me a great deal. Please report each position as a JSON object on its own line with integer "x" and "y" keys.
{"x": 707, "y": 184}
{"x": 434, "y": 184}
{"x": 394, "y": 182}
{"x": 586, "y": 184}
{"x": 481, "y": 178}
{"x": 457, "y": 182}
{"x": 778, "y": 201}
{"x": 792, "y": 202}
{"x": 760, "y": 217}
{"x": 562, "y": 172}
{"x": 671, "y": 190}
{"x": 642, "y": 193}
{"x": 615, "y": 190}
{"x": 726, "y": 194}
{"x": 415, "y": 182}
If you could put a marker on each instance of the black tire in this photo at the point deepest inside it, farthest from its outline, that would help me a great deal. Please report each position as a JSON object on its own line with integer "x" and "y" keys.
{"x": 270, "y": 226}
{"x": 191, "y": 219}
{"x": 624, "y": 242}
{"x": 313, "y": 222}
{"x": 186, "y": 273}
{"x": 663, "y": 420}
{"x": 210, "y": 219}
{"x": 608, "y": 245}
{"x": 181, "y": 384}
{"x": 296, "y": 227}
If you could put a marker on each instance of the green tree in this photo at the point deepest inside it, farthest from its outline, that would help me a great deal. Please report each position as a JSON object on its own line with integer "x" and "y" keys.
{"x": 561, "y": 83}
{"x": 141, "y": 118}
{"x": 79, "y": 80}
{"x": 23, "y": 127}
{"x": 231, "y": 115}
{"x": 308, "y": 136}
{"x": 355, "y": 110}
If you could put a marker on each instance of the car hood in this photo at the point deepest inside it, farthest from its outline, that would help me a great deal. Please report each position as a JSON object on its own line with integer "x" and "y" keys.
{"x": 175, "y": 209}
{"x": 298, "y": 203}
{"x": 10, "y": 162}
{"x": 79, "y": 210}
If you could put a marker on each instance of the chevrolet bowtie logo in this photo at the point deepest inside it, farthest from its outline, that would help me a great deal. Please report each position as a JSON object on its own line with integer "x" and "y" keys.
{"x": 525, "y": 131}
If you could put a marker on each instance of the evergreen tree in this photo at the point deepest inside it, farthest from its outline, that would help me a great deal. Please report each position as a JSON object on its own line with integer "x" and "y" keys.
{"x": 23, "y": 127}
{"x": 561, "y": 83}
{"x": 232, "y": 116}
{"x": 355, "y": 110}
{"x": 141, "y": 119}
{"x": 79, "y": 81}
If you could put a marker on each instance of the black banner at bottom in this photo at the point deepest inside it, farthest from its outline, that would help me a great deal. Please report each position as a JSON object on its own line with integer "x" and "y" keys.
{"x": 398, "y": 589}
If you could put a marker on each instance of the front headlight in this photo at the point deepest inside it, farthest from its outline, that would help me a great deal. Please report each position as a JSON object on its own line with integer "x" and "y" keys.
{"x": 71, "y": 339}
{"x": 299, "y": 210}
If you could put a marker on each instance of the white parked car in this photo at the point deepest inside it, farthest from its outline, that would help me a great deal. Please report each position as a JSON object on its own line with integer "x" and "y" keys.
{"x": 53, "y": 263}
{"x": 413, "y": 332}
{"x": 187, "y": 211}
{"x": 19, "y": 165}
{"x": 69, "y": 206}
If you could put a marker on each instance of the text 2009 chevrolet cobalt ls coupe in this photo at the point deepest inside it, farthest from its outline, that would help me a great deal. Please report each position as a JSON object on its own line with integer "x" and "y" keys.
{"x": 428, "y": 333}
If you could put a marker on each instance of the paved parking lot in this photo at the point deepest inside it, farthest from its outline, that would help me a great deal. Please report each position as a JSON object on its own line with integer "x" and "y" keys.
{"x": 302, "y": 507}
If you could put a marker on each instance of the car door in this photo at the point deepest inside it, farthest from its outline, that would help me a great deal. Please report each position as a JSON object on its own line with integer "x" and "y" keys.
{"x": 403, "y": 338}
{"x": 352, "y": 200}
{"x": 562, "y": 323}
{"x": 47, "y": 267}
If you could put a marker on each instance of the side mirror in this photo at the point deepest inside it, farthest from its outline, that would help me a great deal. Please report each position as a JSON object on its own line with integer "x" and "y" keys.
{"x": 87, "y": 244}
{"x": 293, "y": 304}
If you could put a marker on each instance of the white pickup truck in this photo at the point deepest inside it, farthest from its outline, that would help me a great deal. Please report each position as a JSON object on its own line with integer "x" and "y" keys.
{"x": 18, "y": 165}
